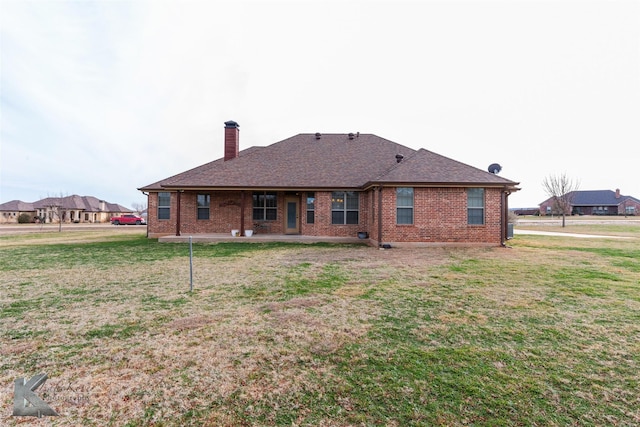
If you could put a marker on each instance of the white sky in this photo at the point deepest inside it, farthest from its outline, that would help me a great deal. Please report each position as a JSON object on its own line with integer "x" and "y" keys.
{"x": 102, "y": 97}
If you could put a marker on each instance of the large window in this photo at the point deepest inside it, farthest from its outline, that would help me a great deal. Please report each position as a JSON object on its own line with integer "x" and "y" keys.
{"x": 164, "y": 205}
{"x": 204, "y": 201}
{"x": 475, "y": 206}
{"x": 265, "y": 206}
{"x": 345, "y": 206}
{"x": 311, "y": 208}
{"x": 404, "y": 205}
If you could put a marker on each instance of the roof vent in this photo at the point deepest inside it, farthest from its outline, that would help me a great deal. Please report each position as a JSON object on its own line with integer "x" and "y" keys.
{"x": 318, "y": 135}
{"x": 399, "y": 158}
{"x": 351, "y": 135}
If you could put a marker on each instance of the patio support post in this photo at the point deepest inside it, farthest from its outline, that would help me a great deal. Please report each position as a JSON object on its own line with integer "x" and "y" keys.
{"x": 242, "y": 203}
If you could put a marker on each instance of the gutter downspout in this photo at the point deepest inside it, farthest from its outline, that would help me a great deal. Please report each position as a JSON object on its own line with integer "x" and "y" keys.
{"x": 147, "y": 194}
{"x": 503, "y": 233}
{"x": 380, "y": 216}
{"x": 505, "y": 216}
{"x": 242, "y": 203}
{"x": 179, "y": 202}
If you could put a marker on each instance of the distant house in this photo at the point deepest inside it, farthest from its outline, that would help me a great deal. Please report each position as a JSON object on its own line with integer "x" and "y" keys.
{"x": 338, "y": 185}
{"x": 11, "y": 211}
{"x": 596, "y": 202}
{"x": 68, "y": 209}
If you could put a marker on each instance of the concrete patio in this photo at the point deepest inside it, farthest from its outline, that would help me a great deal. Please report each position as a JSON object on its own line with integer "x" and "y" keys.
{"x": 261, "y": 238}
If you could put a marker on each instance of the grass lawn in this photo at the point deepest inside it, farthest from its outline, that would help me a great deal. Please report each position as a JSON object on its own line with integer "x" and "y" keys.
{"x": 546, "y": 332}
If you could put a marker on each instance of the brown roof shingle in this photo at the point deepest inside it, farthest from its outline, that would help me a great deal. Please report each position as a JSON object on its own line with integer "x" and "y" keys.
{"x": 16, "y": 206}
{"x": 332, "y": 161}
{"x": 428, "y": 167}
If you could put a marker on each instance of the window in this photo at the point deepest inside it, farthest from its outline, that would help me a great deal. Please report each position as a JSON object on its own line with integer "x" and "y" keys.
{"x": 164, "y": 205}
{"x": 203, "y": 201}
{"x": 344, "y": 207}
{"x": 311, "y": 208}
{"x": 404, "y": 205}
{"x": 265, "y": 206}
{"x": 475, "y": 206}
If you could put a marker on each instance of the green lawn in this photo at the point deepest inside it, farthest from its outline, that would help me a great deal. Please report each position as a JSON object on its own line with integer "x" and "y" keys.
{"x": 545, "y": 332}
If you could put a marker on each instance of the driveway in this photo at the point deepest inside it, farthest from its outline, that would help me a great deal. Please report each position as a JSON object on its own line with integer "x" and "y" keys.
{"x": 556, "y": 233}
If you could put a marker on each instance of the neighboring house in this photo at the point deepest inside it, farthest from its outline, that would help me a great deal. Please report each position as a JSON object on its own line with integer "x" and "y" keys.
{"x": 333, "y": 185}
{"x": 11, "y": 211}
{"x": 597, "y": 202}
{"x": 68, "y": 209}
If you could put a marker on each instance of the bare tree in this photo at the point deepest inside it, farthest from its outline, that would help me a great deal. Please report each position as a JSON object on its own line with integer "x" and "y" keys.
{"x": 561, "y": 189}
{"x": 54, "y": 209}
{"x": 139, "y": 207}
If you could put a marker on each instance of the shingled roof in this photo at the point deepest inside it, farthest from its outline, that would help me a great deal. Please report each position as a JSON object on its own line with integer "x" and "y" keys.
{"x": 93, "y": 204}
{"x": 16, "y": 206}
{"x": 430, "y": 168}
{"x": 331, "y": 161}
{"x": 84, "y": 203}
{"x": 599, "y": 198}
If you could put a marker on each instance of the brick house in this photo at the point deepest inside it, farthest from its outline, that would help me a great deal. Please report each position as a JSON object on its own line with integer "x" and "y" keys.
{"x": 594, "y": 202}
{"x": 338, "y": 185}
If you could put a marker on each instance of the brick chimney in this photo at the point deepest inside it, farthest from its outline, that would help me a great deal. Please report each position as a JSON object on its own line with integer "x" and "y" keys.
{"x": 617, "y": 193}
{"x": 231, "y": 140}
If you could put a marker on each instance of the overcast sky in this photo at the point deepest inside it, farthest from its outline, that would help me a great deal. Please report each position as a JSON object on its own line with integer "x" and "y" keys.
{"x": 102, "y": 97}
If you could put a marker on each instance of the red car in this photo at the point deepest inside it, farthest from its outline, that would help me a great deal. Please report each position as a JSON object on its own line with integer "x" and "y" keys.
{"x": 127, "y": 220}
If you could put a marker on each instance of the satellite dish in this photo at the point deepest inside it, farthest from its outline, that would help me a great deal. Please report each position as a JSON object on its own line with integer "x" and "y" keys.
{"x": 495, "y": 168}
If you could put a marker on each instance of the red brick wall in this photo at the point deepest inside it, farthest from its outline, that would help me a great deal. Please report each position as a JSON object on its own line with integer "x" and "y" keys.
{"x": 622, "y": 209}
{"x": 155, "y": 226}
{"x": 224, "y": 214}
{"x": 440, "y": 215}
{"x": 323, "y": 226}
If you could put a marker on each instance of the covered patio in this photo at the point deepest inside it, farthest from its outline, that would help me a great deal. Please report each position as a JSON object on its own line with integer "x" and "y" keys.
{"x": 260, "y": 238}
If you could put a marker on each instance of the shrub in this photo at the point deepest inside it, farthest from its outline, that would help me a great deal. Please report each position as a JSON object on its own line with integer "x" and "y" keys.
{"x": 512, "y": 217}
{"x": 24, "y": 218}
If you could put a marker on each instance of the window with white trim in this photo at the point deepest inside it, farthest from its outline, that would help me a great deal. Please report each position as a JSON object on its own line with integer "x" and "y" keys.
{"x": 164, "y": 205}
{"x": 345, "y": 207}
{"x": 404, "y": 205}
{"x": 203, "y": 202}
{"x": 311, "y": 208}
{"x": 265, "y": 206}
{"x": 475, "y": 206}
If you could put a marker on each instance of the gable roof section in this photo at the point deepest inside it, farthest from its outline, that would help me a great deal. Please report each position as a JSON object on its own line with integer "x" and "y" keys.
{"x": 333, "y": 161}
{"x": 434, "y": 169}
{"x": 16, "y": 206}
{"x": 84, "y": 203}
{"x": 598, "y": 197}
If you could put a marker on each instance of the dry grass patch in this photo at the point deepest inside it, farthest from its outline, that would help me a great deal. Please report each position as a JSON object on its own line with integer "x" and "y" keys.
{"x": 544, "y": 333}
